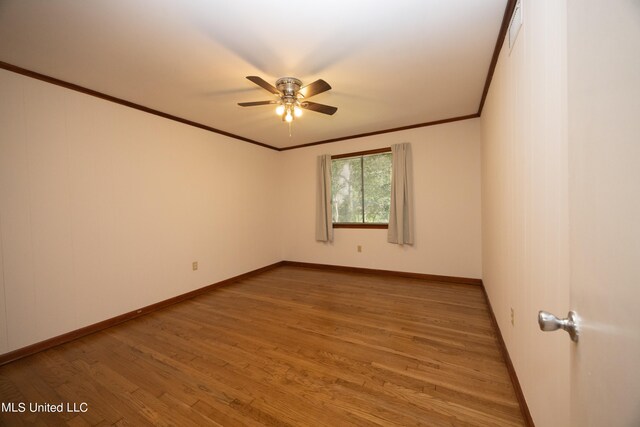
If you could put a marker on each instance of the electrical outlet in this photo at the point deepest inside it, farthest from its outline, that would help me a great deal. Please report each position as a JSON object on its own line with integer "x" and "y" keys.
{"x": 359, "y": 248}
{"x": 513, "y": 317}
{"x": 194, "y": 265}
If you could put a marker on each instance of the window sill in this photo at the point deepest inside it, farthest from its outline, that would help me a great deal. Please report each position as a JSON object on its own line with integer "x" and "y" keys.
{"x": 360, "y": 225}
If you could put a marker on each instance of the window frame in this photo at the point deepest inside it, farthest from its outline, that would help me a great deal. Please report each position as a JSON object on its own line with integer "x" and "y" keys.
{"x": 360, "y": 224}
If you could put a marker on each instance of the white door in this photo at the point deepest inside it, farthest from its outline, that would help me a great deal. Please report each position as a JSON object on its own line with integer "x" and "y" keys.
{"x": 603, "y": 41}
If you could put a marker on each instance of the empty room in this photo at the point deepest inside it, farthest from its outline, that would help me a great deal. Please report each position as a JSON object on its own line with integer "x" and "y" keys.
{"x": 336, "y": 213}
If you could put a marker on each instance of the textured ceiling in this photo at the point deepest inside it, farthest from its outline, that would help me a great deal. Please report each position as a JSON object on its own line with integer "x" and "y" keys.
{"x": 391, "y": 64}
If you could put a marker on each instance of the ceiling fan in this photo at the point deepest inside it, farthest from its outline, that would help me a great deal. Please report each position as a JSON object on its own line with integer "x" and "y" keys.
{"x": 291, "y": 97}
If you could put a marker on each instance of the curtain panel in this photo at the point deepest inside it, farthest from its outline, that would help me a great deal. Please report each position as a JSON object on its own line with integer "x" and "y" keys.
{"x": 401, "y": 221}
{"x": 324, "y": 223}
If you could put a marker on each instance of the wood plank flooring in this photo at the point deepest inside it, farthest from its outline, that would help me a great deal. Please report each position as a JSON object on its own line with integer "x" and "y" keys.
{"x": 290, "y": 347}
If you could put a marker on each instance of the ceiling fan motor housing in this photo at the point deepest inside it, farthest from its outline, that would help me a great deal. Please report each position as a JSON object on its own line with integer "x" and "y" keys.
{"x": 289, "y": 86}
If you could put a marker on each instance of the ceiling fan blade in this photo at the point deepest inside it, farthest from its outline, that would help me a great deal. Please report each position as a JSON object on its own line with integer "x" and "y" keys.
{"x": 318, "y": 108}
{"x": 251, "y": 104}
{"x": 314, "y": 88}
{"x": 263, "y": 84}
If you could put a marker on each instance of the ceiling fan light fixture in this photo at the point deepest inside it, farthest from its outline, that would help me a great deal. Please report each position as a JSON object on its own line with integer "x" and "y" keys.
{"x": 290, "y": 93}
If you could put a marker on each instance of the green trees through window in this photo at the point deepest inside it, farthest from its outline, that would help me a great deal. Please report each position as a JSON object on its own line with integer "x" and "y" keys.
{"x": 361, "y": 189}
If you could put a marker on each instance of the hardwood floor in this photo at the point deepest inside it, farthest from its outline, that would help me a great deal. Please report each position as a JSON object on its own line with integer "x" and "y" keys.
{"x": 292, "y": 346}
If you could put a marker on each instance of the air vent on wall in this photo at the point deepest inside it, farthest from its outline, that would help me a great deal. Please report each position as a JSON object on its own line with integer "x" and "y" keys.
{"x": 515, "y": 24}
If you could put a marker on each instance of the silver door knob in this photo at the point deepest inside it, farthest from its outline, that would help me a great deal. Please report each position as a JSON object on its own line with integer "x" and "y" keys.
{"x": 549, "y": 322}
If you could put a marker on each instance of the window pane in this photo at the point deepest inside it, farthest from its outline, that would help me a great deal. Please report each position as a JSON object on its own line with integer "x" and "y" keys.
{"x": 377, "y": 188}
{"x": 346, "y": 189}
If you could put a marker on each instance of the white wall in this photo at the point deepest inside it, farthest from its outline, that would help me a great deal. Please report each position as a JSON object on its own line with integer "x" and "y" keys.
{"x": 447, "y": 205}
{"x": 525, "y": 205}
{"x": 103, "y": 208}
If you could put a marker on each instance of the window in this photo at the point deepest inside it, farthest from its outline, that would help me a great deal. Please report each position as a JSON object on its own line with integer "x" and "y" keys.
{"x": 361, "y": 189}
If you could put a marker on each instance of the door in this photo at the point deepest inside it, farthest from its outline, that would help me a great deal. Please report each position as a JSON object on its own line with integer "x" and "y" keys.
{"x": 603, "y": 41}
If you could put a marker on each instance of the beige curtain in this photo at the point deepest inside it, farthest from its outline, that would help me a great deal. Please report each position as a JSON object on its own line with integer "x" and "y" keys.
{"x": 324, "y": 223}
{"x": 401, "y": 212}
